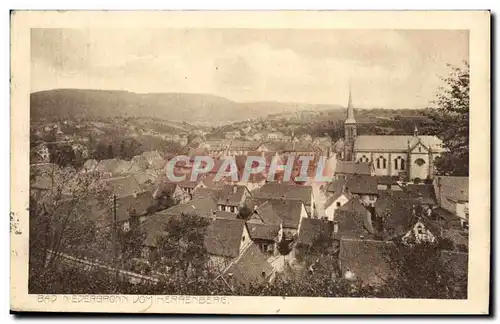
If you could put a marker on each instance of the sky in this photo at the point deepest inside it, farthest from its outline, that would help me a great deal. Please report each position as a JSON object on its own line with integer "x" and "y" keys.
{"x": 385, "y": 68}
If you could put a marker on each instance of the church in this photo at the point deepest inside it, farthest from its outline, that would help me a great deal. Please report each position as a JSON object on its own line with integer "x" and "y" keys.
{"x": 410, "y": 157}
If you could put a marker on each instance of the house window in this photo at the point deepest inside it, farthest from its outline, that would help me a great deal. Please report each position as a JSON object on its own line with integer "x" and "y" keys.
{"x": 338, "y": 203}
{"x": 232, "y": 209}
{"x": 243, "y": 239}
{"x": 381, "y": 162}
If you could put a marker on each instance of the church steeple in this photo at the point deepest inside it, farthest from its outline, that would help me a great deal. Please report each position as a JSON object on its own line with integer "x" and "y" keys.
{"x": 350, "y": 131}
{"x": 350, "y": 110}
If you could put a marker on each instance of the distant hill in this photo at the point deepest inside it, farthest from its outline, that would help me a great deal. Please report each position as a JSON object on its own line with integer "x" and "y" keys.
{"x": 194, "y": 108}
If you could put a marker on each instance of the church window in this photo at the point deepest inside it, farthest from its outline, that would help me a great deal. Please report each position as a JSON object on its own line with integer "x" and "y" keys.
{"x": 419, "y": 162}
{"x": 364, "y": 158}
{"x": 399, "y": 163}
{"x": 381, "y": 162}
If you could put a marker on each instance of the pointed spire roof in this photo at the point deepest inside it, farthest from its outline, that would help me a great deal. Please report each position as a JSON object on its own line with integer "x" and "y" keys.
{"x": 350, "y": 110}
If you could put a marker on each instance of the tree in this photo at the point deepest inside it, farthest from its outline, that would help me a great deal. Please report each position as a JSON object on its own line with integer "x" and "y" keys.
{"x": 182, "y": 248}
{"x": 59, "y": 217}
{"x": 451, "y": 122}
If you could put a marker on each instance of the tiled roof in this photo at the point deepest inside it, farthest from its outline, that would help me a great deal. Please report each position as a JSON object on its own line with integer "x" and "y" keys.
{"x": 267, "y": 214}
{"x": 225, "y": 215}
{"x": 262, "y": 231}
{"x": 145, "y": 176}
{"x": 108, "y": 165}
{"x": 203, "y": 207}
{"x": 251, "y": 268}
{"x": 367, "y": 259}
{"x": 286, "y": 191}
{"x": 207, "y": 193}
{"x": 288, "y": 210}
{"x": 121, "y": 186}
{"x": 395, "y": 142}
{"x": 457, "y": 238}
{"x": 231, "y": 195}
{"x": 223, "y": 237}
{"x": 361, "y": 184}
{"x": 453, "y": 188}
{"x": 133, "y": 205}
{"x": 386, "y": 180}
{"x": 354, "y": 219}
{"x": 397, "y": 214}
{"x": 352, "y": 167}
{"x": 311, "y": 229}
{"x": 140, "y": 161}
{"x": 422, "y": 193}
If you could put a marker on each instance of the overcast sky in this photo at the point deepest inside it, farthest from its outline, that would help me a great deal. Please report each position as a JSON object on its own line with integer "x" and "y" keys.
{"x": 387, "y": 68}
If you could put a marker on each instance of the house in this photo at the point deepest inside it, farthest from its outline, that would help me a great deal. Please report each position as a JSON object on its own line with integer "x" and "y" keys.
{"x": 291, "y": 212}
{"x": 232, "y": 197}
{"x": 132, "y": 209}
{"x": 353, "y": 219}
{"x": 365, "y": 261}
{"x": 121, "y": 186}
{"x": 225, "y": 239}
{"x": 385, "y": 183}
{"x": 288, "y": 192}
{"x": 225, "y": 215}
{"x": 140, "y": 161}
{"x": 249, "y": 269}
{"x": 90, "y": 165}
{"x": 40, "y": 154}
{"x": 362, "y": 186}
{"x": 347, "y": 168}
{"x": 336, "y": 198}
{"x": 107, "y": 167}
{"x": 312, "y": 229}
{"x": 206, "y": 192}
{"x": 392, "y": 217}
{"x": 423, "y": 230}
{"x": 172, "y": 190}
{"x": 189, "y": 186}
{"x": 273, "y": 136}
{"x": 459, "y": 239}
{"x": 265, "y": 227}
{"x": 151, "y": 156}
{"x": 233, "y": 134}
{"x": 452, "y": 195}
{"x": 146, "y": 178}
{"x": 201, "y": 207}
{"x": 422, "y": 194}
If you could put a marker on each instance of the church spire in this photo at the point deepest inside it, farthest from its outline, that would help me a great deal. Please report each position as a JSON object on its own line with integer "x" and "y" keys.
{"x": 415, "y": 131}
{"x": 350, "y": 110}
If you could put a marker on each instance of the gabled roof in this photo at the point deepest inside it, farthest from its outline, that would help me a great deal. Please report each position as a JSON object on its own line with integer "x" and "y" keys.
{"x": 223, "y": 237}
{"x": 251, "y": 268}
{"x": 108, "y": 165}
{"x": 207, "y": 193}
{"x": 262, "y": 231}
{"x": 352, "y": 167}
{"x": 225, "y": 215}
{"x": 311, "y": 229}
{"x": 457, "y": 238}
{"x": 286, "y": 191}
{"x": 231, "y": 195}
{"x": 288, "y": 210}
{"x": 121, "y": 186}
{"x": 422, "y": 193}
{"x": 133, "y": 205}
{"x": 451, "y": 188}
{"x": 203, "y": 207}
{"x": 354, "y": 219}
{"x": 267, "y": 214}
{"x": 367, "y": 259}
{"x": 361, "y": 184}
{"x": 395, "y": 142}
{"x": 397, "y": 214}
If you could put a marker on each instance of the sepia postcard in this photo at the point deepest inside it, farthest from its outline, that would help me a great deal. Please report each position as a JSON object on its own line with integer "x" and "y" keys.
{"x": 272, "y": 162}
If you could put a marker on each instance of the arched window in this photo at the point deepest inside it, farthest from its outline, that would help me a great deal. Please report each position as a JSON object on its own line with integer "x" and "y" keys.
{"x": 364, "y": 158}
{"x": 381, "y": 162}
{"x": 419, "y": 162}
{"x": 399, "y": 163}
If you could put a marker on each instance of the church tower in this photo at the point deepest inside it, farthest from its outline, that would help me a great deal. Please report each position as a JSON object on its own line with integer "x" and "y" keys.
{"x": 349, "y": 131}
